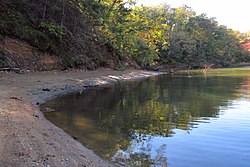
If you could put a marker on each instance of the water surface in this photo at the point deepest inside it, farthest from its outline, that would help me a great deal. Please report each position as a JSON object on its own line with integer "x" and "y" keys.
{"x": 185, "y": 120}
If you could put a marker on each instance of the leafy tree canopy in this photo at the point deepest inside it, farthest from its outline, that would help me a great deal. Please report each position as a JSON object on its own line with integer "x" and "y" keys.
{"x": 159, "y": 35}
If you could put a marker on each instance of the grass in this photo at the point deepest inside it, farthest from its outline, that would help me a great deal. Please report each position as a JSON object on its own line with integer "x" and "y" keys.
{"x": 230, "y": 72}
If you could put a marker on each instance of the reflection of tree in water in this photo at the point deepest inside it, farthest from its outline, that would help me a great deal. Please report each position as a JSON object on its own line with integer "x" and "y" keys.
{"x": 141, "y": 153}
{"x": 120, "y": 117}
{"x": 158, "y": 106}
{"x": 246, "y": 87}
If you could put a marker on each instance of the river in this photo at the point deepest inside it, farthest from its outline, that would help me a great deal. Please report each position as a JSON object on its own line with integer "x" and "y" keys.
{"x": 190, "y": 119}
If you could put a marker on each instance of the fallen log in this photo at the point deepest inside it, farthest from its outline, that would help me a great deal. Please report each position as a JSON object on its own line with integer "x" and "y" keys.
{"x": 10, "y": 69}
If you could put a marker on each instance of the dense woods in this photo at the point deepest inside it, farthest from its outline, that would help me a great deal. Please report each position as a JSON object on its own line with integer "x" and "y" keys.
{"x": 88, "y": 33}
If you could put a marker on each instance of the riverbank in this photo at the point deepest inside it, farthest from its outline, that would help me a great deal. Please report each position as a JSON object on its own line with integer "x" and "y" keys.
{"x": 29, "y": 139}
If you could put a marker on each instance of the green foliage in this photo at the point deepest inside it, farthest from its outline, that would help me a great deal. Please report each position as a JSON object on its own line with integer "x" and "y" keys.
{"x": 58, "y": 27}
{"x": 198, "y": 41}
{"x": 18, "y": 25}
{"x": 167, "y": 35}
{"x": 79, "y": 31}
{"x": 57, "y": 30}
{"x": 145, "y": 55}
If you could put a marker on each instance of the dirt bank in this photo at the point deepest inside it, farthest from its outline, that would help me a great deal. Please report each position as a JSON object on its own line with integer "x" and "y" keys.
{"x": 27, "y": 138}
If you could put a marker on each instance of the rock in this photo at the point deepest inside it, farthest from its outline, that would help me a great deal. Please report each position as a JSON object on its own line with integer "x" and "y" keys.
{"x": 46, "y": 89}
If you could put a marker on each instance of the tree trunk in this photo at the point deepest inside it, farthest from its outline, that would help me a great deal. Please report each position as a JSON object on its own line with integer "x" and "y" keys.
{"x": 45, "y": 9}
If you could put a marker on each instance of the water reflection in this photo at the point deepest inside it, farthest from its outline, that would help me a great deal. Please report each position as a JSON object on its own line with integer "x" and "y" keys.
{"x": 132, "y": 123}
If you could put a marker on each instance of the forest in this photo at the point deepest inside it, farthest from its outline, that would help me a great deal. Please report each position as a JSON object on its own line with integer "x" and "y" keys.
{"x": 88, "y": 33}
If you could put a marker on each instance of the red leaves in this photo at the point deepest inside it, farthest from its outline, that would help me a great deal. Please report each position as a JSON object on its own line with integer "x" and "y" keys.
{"x": 246, "y": 46}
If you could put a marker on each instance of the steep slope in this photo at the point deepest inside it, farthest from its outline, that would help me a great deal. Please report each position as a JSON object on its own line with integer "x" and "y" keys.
{"x": 46, "y": 35}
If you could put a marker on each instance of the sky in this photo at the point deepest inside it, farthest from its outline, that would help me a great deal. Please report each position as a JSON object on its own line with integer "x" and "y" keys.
{"x": 234, "y": 14}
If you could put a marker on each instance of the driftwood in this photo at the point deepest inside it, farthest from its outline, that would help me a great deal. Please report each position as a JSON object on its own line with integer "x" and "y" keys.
{"x": 10, "y": 69}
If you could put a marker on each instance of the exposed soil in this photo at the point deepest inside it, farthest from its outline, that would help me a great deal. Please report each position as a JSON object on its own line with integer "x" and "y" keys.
{"x": 27, "y": 138}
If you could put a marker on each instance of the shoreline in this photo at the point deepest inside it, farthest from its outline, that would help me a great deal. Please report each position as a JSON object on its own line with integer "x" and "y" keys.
{"x": 27, "y": 137}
